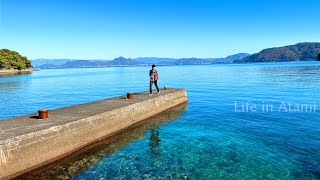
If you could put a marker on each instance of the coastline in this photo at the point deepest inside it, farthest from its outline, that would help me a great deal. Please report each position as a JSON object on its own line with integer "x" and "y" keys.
{"x": 14, "y": 71}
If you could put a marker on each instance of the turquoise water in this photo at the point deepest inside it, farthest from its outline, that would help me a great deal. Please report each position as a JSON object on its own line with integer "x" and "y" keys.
{"x": 208, "y": 139}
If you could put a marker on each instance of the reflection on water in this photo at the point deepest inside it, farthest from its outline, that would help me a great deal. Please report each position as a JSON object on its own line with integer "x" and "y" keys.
{"x": 14, "y": 74}
{"x": 11, "y": 81}
{"x": 80, "y": 161}
{"x": 154, "y": 140}
{"x": 9, "y": 85}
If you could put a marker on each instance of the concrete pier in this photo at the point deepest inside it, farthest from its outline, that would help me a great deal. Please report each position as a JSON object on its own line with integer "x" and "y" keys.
{"x": 27, "y": 143}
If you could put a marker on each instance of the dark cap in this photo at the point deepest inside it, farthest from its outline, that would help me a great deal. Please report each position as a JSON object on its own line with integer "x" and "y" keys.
{"x": 153, "y": 65}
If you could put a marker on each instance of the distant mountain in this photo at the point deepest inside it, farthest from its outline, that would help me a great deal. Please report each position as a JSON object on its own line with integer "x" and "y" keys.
{"x": 237, "y": 57}
{"x": 74, "y": 64}
{"x": 227, "y": 60}
{"x": 174, "y": 61}
{"x": 40, "y": 62}
{"x": 192, "y": 61}
{"x": 48, "y": 66}
{"x": 124, "y": 61}
{"x": 231, "y": 58}
{"x": 85, "y": 63}
{"x": 121, "y": 61}
{"x": 297, "y": 52}
{"x": 155, "y": 60}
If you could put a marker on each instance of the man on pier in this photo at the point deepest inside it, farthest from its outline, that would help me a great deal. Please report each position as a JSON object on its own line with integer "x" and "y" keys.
{"x": 153, "y": 79}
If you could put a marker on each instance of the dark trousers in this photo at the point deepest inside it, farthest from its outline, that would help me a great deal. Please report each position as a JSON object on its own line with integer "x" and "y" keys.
{"x": 150, "y": 86}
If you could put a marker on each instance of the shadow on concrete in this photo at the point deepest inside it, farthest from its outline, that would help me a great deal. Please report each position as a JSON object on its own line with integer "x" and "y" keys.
{"x": 34, "y": 117}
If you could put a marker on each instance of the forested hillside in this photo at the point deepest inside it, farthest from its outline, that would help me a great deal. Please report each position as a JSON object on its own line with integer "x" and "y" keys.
{"x": 13, "y": 60}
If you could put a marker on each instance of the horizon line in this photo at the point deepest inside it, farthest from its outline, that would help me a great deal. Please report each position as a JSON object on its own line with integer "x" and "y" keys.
{"x": 85, "y": 59}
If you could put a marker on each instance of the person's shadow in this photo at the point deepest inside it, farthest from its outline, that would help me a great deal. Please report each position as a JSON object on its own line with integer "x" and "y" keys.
{"x": 154, "y": 141}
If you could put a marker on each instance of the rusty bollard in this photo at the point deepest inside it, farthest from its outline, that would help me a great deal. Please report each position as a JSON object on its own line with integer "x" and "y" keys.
{"x": 166, "y": 88}
{"x": 129, "y": 95}
{"x": 43, "y": 113}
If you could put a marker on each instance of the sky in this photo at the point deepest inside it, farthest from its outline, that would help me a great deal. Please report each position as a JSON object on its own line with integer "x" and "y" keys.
{"x": 106, "y": 29}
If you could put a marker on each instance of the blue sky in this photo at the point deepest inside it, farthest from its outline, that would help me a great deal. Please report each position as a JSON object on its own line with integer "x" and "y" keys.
{"x": 105, "y": 29}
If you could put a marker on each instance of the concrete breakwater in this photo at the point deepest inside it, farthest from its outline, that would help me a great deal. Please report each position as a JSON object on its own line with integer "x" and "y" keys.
{"x": 27, "y": 143}
{"x": 76, "y": 163}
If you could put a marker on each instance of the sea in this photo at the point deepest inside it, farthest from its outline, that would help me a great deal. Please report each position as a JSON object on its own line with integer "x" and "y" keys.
{"x": 242, "y": 121}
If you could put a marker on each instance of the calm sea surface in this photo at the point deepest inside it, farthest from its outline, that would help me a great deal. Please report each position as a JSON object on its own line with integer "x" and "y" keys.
{"x": 217, "y": 135}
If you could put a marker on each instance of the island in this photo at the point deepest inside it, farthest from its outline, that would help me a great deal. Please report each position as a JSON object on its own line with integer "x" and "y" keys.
{"x": 308, "y": 51}
{"x": 12, "y": 62}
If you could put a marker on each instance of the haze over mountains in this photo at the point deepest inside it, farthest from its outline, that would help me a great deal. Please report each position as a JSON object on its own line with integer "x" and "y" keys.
{"x": 121, "y": 61}
{"x": 298, "y": 52}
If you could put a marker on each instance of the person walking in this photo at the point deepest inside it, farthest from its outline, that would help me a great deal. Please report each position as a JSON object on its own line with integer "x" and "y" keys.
{"x": 153, "y": 79}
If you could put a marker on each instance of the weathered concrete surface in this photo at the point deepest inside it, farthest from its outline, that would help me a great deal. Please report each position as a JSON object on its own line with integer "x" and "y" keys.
{"x": 27, "y": 143}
